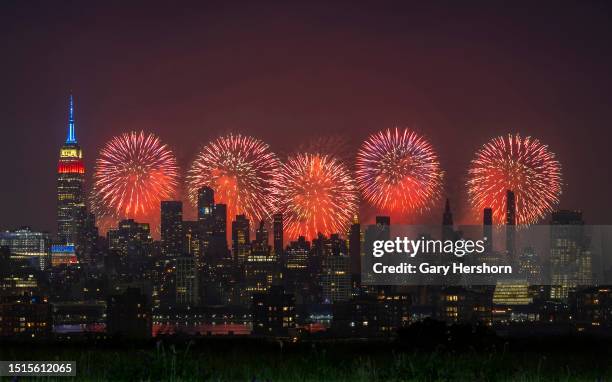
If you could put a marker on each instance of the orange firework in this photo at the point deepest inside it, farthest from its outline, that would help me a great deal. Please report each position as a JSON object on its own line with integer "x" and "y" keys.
{"x": 239, "y": 169}
{"x": 398, "y": 171}
{"x": 316, "y": 194}
{"x": 134, "y": 173}
{"x": 522, "y": 165}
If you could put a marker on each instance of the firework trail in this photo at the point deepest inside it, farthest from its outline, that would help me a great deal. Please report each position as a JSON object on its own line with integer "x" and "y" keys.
{"x": 133, "y": 174}
{"x": 522, "y": 165}
{"x": 316, "y": 194}
{"x": 240, "y": 170}
{"x": 398, "y": 172}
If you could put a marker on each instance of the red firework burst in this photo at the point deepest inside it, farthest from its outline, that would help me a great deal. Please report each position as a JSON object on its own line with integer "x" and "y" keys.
{"x": 522, "y": 165}
{"x": 316, "y": 194}
{"x": 134, "y": 173}
{"x": 398, "y": 171}
{"x": 240, "y": 170}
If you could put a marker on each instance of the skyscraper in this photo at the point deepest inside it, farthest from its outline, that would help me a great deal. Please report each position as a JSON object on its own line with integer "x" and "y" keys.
{"x": 448, "y": 231}
{"x": 70, "y": 182}
{"x": 186, "y": 281}
{"x": 277, "y": 227}
{"x": 206, "y": 202}
{"x": 262, "y": 237}
{"x": 171, "y": 228}
{"x": 570, "y": 258}
{"x": 241, "y": 241}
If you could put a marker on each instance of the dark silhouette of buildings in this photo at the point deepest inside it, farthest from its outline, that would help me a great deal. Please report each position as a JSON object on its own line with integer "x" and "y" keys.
{"x": 273, "y": 313}
{"x": 129, "y": 315}
{"x": 171, "y": 228}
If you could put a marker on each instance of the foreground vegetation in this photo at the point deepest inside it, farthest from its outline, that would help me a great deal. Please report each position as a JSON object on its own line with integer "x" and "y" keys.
{"x": 426, "y": 354}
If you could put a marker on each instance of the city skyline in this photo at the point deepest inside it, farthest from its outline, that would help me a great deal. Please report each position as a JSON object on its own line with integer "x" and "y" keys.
{"x": 113, "y": 171}
{"x": 93, "y": 199}
{"x": 457, "y": 92}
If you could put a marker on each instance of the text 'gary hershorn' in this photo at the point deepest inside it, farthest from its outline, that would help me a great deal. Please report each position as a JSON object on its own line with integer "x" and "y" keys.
{"x": 412, "y": 248}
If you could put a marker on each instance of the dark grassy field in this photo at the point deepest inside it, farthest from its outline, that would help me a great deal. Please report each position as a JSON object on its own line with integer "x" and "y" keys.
{"x": 252, "y": 360}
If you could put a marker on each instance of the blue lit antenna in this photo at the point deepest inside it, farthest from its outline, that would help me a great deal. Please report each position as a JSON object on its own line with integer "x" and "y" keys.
{"x": 71, "y": 138}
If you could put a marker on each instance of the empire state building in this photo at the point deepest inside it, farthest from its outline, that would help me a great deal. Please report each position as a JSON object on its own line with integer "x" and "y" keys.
{"x": 70, "y": 180}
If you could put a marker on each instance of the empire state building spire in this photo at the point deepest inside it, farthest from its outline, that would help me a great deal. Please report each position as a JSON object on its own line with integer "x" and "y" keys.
{"x": 71, "y": 137}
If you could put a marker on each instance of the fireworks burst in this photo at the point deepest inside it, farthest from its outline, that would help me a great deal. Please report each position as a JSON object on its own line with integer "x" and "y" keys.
{"x": 317, "y": 195}
{"x": 522, "y": 165}
{"x": 239, "y": 169}
{"x": 398, "y": 171}
{"x": 133, "y": 173}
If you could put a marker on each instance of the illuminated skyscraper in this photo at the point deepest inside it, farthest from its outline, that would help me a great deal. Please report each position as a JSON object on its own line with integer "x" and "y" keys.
{"x": 70, "y": 181}
{"x": 241, "y": 241}
{"x": 24, "y": 244}
{"x": 206, "y": 202}
{"x": 570, "y": 258}
{"x": 171, "y": 228}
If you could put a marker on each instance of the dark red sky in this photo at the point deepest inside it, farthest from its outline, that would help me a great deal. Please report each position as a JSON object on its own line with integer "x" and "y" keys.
{"x": 287, "y": 72}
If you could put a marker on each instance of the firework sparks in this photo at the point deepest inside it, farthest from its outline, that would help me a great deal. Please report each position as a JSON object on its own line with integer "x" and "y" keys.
{"x": 133, "y": 173}
{"x": 398, "y": 171}
{"x": 240, "y": 170}
{"x": 317, "y": 195}
{"x": 522, "y": 165}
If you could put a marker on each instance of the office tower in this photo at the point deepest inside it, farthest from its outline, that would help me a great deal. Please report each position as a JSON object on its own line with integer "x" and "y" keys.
{"x": 335, "y": 278}
{"x": 297, "y": 254}
{"x": 130, "y": 238}
{"x": 186, "y": 282}
{"x": 25, "y": 244}
{"x": 330, "y": 264}
{"x": 171, "y": 228}
{"x": 260, "y": 269}
{"x": 510, "y": 225}
{"x": 217, "y": 231}
{"x": 448, "y": 231}
{"x": 87, "y": 243}
{"x": 262, "y": 237}
{"x": 192, "y": 238}
{"x": 277, "y": 228}
{"x": 220, "y": 218}
{"x": 570, "y": 258}
{"x": 241, "y": 241}
{"x": 70, "y": 183}
{"x": 354, "y": 248}
{"x": 206, "y": 202}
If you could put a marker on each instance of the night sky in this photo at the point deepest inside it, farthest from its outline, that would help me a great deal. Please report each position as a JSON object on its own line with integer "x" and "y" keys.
{"x": 287, "y": 73}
